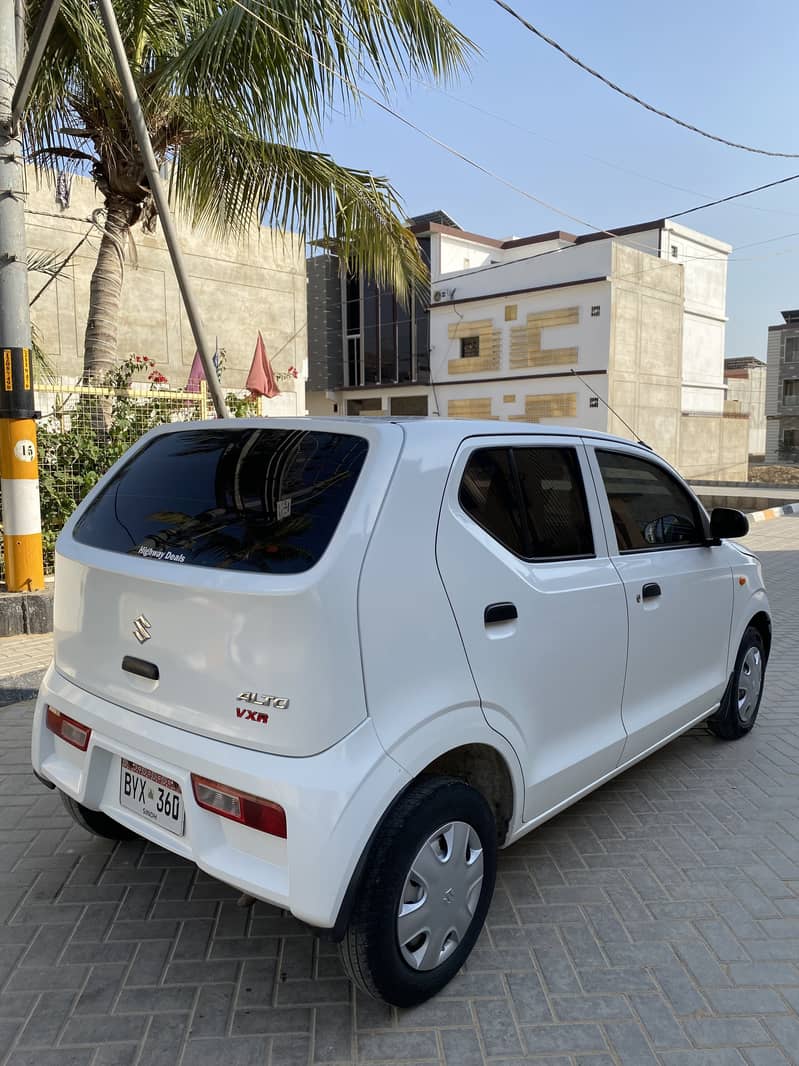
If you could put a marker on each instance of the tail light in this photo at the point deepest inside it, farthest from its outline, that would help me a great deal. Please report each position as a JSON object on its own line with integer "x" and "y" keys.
{"x": 249, "y": 810}
{"x": 68, "y": 729}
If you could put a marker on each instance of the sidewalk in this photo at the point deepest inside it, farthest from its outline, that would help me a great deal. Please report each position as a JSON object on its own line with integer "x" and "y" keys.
{"x": 655, "y": 923}
{"x": 23, "y": 661}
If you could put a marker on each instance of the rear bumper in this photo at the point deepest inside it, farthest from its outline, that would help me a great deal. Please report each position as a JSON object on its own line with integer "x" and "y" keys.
{"x": 332, "y": 800}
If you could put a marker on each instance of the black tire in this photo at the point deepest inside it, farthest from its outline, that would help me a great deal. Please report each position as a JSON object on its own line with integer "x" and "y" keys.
{"x": 734, "y": 720}
{"x": 95, "y": 822}
{"x": 370, "y": 950}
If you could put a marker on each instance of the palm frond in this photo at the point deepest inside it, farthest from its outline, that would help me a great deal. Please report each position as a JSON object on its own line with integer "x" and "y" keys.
{"x": 46, "y": 262}
{"x": 225, "y": 177}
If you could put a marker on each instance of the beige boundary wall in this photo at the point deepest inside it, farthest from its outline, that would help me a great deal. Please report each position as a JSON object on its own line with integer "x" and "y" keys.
{"x": 713, "y": 446}
{"x": 241, "y": 288}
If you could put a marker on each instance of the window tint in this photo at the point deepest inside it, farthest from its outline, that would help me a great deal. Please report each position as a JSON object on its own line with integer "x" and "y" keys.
{"x": 554, "y": 501}
{"x": 488, "y": 495}
{"x": 649, "y": 507}
{"x": 262, "y": 500}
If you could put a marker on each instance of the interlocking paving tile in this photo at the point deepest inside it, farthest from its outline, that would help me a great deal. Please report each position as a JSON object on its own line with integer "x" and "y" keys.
{"x": 656, "y": 922}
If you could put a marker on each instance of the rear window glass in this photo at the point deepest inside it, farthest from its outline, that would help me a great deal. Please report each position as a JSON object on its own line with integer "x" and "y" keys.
{"x": 262, "y": 500}
{"x": 488, "y": 495}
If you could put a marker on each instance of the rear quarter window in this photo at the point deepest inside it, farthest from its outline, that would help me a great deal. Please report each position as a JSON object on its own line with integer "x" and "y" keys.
{"x": 259, "y": 500}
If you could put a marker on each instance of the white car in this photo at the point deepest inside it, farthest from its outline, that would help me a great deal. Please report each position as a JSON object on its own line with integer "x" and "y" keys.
{"x": 337, "y": 663}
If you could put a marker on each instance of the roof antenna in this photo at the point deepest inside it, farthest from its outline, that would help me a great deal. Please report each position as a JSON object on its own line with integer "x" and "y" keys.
{"x": 614, "y": 413}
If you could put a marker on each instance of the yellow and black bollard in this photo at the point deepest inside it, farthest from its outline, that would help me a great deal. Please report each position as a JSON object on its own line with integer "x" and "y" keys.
{"x": 19, "y": 474}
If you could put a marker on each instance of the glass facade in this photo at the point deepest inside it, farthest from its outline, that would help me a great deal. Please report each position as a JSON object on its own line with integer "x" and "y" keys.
{"x": 388, "y": 343}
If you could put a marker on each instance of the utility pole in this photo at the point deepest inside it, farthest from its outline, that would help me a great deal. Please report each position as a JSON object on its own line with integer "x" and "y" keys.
{"x": 19, "y": 465}
{"x": 137, "y": 120}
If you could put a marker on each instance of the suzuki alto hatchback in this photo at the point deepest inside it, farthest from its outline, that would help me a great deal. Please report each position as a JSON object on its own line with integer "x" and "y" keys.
{"x": 338, "y": 663}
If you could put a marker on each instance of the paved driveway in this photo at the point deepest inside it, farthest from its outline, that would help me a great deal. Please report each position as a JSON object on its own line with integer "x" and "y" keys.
{"x": 655, "y": 922}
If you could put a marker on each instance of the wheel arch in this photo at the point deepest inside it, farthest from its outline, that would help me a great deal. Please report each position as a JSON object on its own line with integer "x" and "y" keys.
{"x": 481, "y": 765}
{"x": 484, "y": 768}
{"x": 762, "y": 623}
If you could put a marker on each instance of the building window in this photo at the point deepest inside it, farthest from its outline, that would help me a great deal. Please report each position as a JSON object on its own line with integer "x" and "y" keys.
{"x": 470, "y": 347}
{"x": 371, "y": 405}
{"x": 675, "y": 251}
{"x": 594, "y": 310}
{"x": 790, "y": 391}
{"x": 790, "y": 438}
{"x": 792, "y": 349}
{"x": 409, "y": 405}
{"x": 354, "y": 360}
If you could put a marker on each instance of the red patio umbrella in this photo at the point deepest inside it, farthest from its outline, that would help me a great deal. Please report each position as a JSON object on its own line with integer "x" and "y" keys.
{"x": 196, "y": 374}
{"x": 261, "y": 380}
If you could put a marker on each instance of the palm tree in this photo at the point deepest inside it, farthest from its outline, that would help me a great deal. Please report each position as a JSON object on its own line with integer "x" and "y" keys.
{"x": 235, "y": 93}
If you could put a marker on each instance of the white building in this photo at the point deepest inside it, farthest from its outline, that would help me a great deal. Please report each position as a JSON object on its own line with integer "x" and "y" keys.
{"x": 553, "y": 328}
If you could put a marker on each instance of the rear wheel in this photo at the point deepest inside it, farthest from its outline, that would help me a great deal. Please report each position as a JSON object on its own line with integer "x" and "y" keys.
{"x": 95, "y": 822}
{"x": 425, "y": 892}
{"x": 741, "y": 701}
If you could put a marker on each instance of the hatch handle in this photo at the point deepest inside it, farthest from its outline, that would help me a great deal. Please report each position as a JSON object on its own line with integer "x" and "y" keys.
{"x": 140, "y": 667}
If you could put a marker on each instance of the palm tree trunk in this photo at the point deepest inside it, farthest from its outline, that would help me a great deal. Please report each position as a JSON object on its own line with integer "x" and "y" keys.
{"x": 102, "y": 328}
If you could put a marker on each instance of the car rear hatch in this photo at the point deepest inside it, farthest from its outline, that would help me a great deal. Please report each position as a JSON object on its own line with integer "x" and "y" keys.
{"x": 210, "y": 581}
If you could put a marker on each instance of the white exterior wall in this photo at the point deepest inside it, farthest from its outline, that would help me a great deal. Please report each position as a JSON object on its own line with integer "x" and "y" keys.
{"x": 590, "y": 336}
{"x": 704, "y": 262}
{"x": 574, "y": 263}
{"x": 748, "y": 395}
{"x": 453, "y": 254}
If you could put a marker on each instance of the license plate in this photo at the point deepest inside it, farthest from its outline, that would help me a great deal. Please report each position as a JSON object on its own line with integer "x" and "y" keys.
{"x": 151, "y": 796}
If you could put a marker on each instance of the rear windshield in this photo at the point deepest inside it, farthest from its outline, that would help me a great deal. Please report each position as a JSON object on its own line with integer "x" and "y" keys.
{"x": 263, "y": 500}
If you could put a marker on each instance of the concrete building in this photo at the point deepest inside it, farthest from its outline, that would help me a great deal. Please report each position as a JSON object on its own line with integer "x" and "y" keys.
{"x": 552, "y": 328}
{"x": 745, "y": 379}
{"x": 241, "y": 288}
{"x": 782, "y": 390}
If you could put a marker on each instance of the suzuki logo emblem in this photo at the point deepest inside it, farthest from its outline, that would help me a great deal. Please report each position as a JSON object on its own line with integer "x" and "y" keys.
{"x": 141, "y": 629}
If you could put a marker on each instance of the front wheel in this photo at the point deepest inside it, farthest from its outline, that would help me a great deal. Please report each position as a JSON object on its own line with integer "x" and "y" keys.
{"x": 741, "y": 701}
{"x": 425, "y": 893}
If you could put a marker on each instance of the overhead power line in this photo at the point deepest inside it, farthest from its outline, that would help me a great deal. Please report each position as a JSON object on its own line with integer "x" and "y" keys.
{"x": 479, "y": 166}
{"x": 631, "y": 96}
{"x": 733, "y": 196}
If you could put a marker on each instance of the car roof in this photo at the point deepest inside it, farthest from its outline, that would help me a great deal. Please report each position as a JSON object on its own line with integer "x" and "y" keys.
{"x": 449, "y": 431}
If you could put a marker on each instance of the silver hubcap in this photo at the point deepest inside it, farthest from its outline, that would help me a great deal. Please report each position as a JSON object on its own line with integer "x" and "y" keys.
{"x": 440, "y": 895}
{"x": 750, "y": 678}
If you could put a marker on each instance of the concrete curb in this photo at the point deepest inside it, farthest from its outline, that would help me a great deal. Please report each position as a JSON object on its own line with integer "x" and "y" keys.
{"x": 26, "y": 612}
{"x": 773, "y": 512}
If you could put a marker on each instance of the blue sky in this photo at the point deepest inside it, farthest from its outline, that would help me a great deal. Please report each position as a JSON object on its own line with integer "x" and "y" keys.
{"x": 729, "y": 67}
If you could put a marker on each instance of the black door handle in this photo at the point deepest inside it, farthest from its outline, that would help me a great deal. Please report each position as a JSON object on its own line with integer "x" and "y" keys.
{"x": 140, "y": 667}
{"x": 500, "y": 612}
{"x": 650, "y": 590}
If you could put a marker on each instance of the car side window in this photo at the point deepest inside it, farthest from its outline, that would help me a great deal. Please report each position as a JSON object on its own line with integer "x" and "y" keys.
{"x": 531, "y": 500}
{"x": 488, "y": 495}
{"x": 649, "y": 507}
{"x": 554, "y": 501}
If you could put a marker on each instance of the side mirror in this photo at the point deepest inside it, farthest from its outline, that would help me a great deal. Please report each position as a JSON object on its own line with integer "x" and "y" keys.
{"x": 726, "y": 522}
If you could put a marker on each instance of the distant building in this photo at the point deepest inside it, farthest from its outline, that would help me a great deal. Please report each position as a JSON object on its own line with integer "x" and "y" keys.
{"x": 745, "y": 379}
{"x": 553, "y": 328}
{"x": 782, "y": 390}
